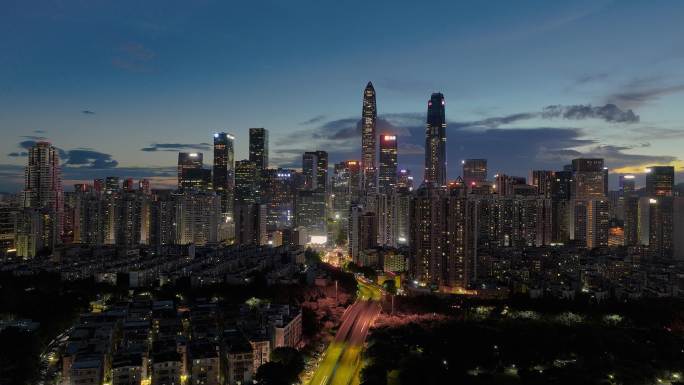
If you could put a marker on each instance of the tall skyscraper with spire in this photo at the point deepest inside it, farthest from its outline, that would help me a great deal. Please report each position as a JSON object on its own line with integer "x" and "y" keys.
{"x": 369, "y": 137}
{"x": 435, "y": 141}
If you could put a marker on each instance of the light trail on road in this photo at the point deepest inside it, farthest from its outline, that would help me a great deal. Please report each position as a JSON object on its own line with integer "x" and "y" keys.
{"x": 342, "y": 358}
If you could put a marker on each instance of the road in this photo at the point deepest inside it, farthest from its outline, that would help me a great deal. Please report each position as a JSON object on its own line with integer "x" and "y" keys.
{"x": 342, "y": 359}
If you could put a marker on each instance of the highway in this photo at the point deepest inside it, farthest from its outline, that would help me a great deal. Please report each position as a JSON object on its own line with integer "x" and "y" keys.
{"x": 342, "y": 359}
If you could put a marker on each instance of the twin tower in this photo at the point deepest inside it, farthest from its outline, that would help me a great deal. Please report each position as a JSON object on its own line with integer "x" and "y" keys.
{"x": 435, "y": 140}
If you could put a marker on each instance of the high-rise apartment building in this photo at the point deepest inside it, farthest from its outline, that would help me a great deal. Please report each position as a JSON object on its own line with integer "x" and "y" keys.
{"x": 43, "y": 201}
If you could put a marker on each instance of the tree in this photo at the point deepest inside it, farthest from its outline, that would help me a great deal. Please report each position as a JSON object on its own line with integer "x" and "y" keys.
{"x": 311, "y": 257}
{"x": 291, "y": 360}
{"x": 271, "y": 373}
{"x": 390, "y": 287}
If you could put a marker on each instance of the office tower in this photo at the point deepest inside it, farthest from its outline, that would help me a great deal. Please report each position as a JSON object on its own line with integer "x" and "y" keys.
{"x": 279, "y": 196}
{"x": 588, "y": 178}
{"x": 405, "y": 179}
{"x": 311, "y": 216}
{"x": 322, "y": 170}
{"x": 315, "y": 170}
{"x": 197, "y": 218}
{"x": 387, "y": 180}
{"x": 656, "y": 225}
{"x": 112, "y": 183}
{"x": 631, "y": 220}
{"x": 605, "y": 181}
{"x": 128, "y": 185}
{"x": 369, "y": 116}
{"x": 250, "y": 224}
{"x": 560, "y": 198}
{"x": 309, "y": 165}
{"x": 189, "y": 168}
{"x": 223, "y": 171}
{"x": 43, "y": 193}
{"x": 247, "y": 182}
{"x": 660, "y": 181}
{"x": 543, "y": 181}
{"x": 345, "y": 186}
{"x": 258, "y": 147}
{"x": 435, "y": 141}
{"x": 626, "y": 183}
{"x": 474, "y": 171}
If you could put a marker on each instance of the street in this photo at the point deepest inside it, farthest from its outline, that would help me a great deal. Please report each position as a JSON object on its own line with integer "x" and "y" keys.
{"x": 342, "y": 359}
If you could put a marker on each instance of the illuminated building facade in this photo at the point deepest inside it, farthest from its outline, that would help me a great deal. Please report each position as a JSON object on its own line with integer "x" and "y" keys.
{"x": 435, "y": 141}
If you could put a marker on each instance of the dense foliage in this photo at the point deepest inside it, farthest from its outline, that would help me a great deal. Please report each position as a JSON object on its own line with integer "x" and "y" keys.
{"x": 539, "y": 343}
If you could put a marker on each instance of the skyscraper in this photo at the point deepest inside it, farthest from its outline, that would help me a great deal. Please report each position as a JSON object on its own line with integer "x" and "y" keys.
{"x": 224, "y": 174}
{"x": 387, "y": 181}
{"x": 315, "y": 170}
{"x": 474, "y": 171}
{"x": 435, "y": 141}
{"x": 369, "y": 116}
{"x": 258, "y": 147}
{"x": 43, "y": 178}
{"x": 405, "y": 179}
{"x": 247, "y": 178}
{"x": 186, "y": 162}
{"x": 659, "y": 181}
{"x": 588, "y": 178}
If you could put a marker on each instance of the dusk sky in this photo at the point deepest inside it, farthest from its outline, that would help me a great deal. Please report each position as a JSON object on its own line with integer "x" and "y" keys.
{"x": 122, "y": 86}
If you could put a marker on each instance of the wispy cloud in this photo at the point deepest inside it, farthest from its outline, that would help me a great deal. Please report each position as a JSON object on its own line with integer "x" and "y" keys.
{"x": 175, "y": 147}
{"x": 88, "y": 112}
{"x": 315, "y": 119}
{"x": 641, "y": 91}
{"x": 133, "y": 57}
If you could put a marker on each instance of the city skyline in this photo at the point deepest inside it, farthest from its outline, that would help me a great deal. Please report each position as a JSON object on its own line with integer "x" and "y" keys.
{"x": 106, "y": 101}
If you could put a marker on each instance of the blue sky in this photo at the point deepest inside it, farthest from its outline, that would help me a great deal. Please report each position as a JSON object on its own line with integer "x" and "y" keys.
{"x": 104, "y": 79}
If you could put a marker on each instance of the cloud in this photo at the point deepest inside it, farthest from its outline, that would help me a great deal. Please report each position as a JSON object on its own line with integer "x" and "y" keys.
{"x": 133, "y": 57}
{"x": 609, "y": 113}
{"x": 39, "y": 131}
{"x": 176, "y": 147}
{"x": 18, "y": 154}
{"x": 87, "y": 112}
{"x": 591, "y": 78}
{"x": 641, "y": 91}
{"x": 313, "y": 120}
{"x": 87, "y": 158}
